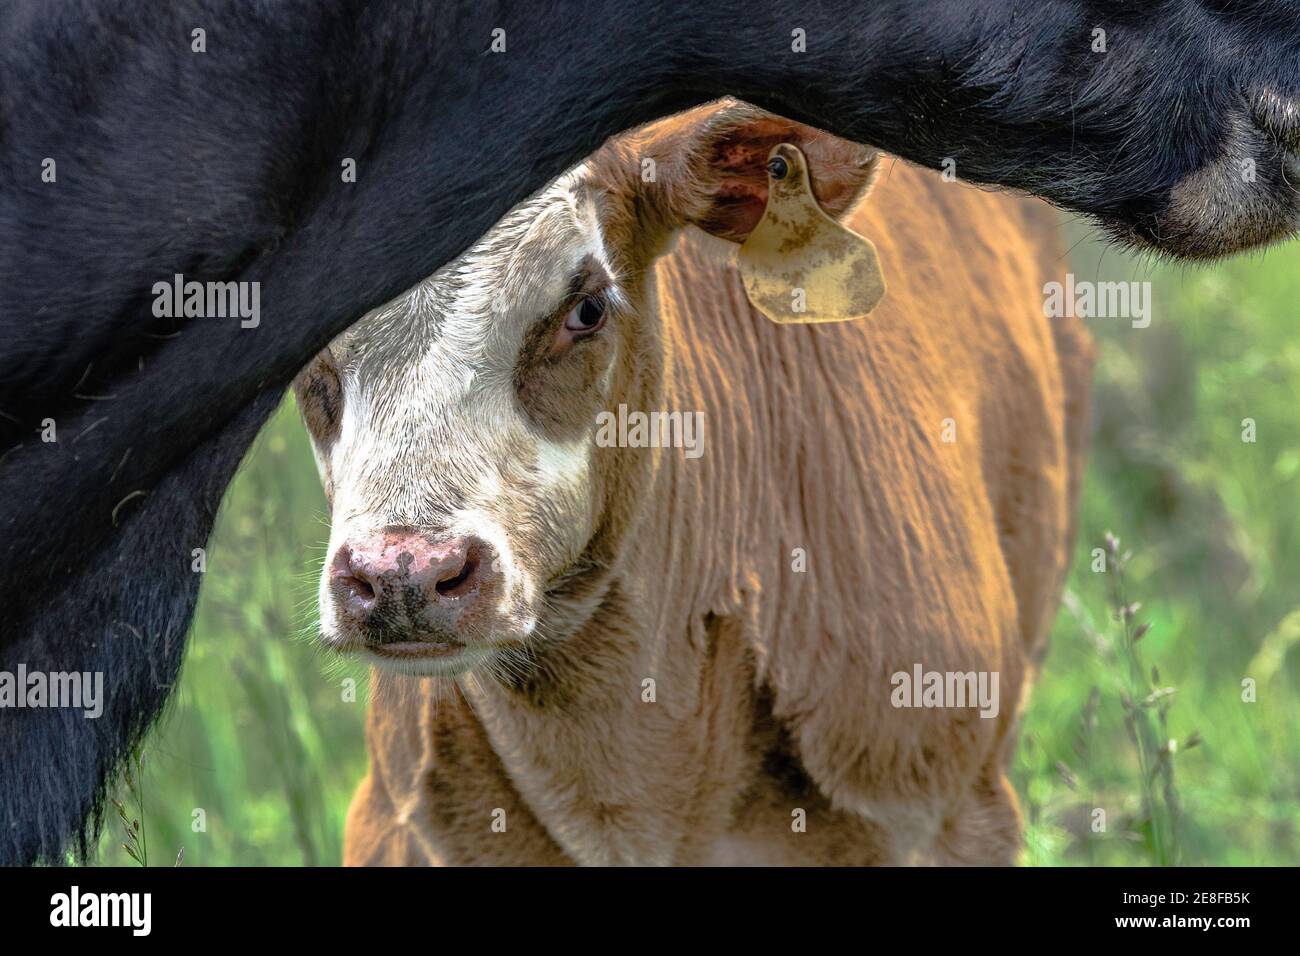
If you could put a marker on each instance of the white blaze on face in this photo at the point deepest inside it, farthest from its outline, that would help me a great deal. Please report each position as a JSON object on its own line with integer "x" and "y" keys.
{"x": 432, "y": 434}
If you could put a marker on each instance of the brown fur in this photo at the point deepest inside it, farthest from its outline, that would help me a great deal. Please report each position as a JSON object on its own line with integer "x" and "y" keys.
{"x": 773, "y": 687}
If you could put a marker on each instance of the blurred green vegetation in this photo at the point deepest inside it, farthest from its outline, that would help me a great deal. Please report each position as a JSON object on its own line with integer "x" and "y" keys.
{"x": 261, "y": 735}
{"x": 262, "y": 738}
{"x": 1214, "y": 529}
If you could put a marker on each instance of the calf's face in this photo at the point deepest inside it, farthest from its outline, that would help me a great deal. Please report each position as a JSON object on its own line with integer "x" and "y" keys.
{"x": 472, "y": 512}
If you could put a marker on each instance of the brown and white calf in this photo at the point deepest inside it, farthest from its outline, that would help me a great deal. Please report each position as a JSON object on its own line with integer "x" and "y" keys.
{"x": 601, "y": 655}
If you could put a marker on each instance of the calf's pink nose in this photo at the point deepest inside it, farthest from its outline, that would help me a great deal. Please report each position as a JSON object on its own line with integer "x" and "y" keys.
{"x": 399, "y": 573}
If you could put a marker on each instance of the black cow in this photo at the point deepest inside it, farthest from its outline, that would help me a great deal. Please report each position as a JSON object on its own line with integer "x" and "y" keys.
{"x": 226, "y": 165}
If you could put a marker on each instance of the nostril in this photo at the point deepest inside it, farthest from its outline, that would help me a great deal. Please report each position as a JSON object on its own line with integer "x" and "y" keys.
{"x": 460, "y": 582}
{"x": 352, "y": 582}
{"x": 356, "y": 595}
{"x": 359, "y": 587}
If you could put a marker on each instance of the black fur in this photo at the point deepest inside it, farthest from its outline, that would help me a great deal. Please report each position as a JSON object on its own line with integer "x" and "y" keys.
{"x": 225, "y": 165}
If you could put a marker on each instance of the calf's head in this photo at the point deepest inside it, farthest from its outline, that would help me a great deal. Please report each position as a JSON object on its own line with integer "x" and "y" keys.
{"x": 472, "y": 512}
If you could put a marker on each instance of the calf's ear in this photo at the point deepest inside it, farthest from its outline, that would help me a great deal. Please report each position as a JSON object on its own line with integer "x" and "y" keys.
{"x": 712, "y": 165}
{"x": 319, "y": 395}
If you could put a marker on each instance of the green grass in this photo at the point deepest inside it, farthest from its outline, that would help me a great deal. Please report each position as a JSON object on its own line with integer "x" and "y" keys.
{"x": 262, "y": 740}
{"x": 259, "y": 736}
{"x": 1213, "y": 525}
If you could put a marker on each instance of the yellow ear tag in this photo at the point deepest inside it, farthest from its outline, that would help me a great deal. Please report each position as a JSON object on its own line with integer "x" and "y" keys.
{"x": 799, "y": 264}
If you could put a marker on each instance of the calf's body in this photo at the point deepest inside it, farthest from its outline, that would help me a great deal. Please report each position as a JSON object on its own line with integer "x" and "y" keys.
{"x": 920, "y": 469}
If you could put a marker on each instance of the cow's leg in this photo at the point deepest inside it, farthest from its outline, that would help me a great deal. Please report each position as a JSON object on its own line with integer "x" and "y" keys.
{"x": 984, "y": 828}
{"x": 437, "y": 793}
{"x": 373, "y": 835}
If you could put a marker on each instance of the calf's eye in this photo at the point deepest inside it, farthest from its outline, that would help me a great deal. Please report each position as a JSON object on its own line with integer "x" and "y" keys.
{"x": 587, "y": 316}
